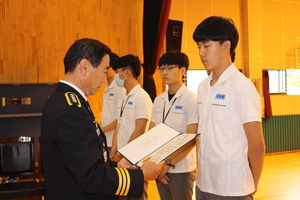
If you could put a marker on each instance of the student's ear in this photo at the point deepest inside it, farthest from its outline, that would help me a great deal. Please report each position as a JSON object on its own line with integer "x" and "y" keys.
{"x": 182, "y": 70}
{"x": 226, "y": 45}
{"x": 128, "y": 72}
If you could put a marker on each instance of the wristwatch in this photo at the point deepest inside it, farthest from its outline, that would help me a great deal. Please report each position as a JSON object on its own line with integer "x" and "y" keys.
{"x": 169, "y": 163}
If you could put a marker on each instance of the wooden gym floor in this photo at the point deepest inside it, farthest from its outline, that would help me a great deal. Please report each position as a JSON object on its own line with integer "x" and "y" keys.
{"x": 280, "y": 179}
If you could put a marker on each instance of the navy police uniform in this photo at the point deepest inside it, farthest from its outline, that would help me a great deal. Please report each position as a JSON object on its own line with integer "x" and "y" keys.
{"x": 75, "y": 160}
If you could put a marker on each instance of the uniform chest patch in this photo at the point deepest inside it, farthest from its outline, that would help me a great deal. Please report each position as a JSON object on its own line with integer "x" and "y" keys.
{"x": 178, "y": 107}
{"x": 220, "y": 96}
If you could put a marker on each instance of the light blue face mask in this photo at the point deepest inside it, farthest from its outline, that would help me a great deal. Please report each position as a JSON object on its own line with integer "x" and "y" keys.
{"x": 119, "y": 81}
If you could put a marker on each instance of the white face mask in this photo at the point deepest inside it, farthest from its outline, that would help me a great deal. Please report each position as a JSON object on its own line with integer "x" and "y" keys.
{"x": 119, "y": 81}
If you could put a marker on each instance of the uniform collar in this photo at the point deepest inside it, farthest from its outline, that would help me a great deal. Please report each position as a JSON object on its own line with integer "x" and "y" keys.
{"x": 222, "y": 79}
{"x": 226, "y": 74}
{"x": 178, "y": 93}
{"x": 134, "y": 89}
{"x": 112, "y": 84}
{"x": 75, "y": 87}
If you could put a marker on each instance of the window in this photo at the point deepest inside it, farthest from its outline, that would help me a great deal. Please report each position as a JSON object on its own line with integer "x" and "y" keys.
{"x": 280, "y": 81}
{"x": 277, "y": 81}
{"x": 284, "y": 81}
{"x": 194, "y": 77}
{"x": 293, "y": 81}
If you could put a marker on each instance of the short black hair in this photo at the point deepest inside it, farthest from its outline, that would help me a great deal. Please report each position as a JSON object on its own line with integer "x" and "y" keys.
{"x": 85, "y": 48}
{"x": 174, "y": 57}
{"x": 220, "y": 29}
{"x": 130, "y": 62}
{"x": 112, "y": 58}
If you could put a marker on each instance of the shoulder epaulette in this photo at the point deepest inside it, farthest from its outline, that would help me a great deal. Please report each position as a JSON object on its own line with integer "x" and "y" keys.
{"x": 124, "y": 182}
{"x": 72, "y": 99}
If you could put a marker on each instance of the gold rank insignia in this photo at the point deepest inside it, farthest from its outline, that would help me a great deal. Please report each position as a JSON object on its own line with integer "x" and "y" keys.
{"x": 72, "y": 99}
{"x": 124, "y": 181}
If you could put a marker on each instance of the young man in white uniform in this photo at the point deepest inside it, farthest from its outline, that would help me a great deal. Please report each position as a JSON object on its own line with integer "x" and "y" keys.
{"x": 111, "y": 96}
{"x": 231, "y": 152}
{"x": 133, "y": 111}
{"x": 177, "y": 108}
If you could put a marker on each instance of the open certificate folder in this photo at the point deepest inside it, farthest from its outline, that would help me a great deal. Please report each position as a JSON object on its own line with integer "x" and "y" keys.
{"x": 155, "y": 145}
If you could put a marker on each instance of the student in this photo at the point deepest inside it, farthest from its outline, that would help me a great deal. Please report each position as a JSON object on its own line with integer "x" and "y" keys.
{"x": 111, "y": 96}
{"x": 75, "y": 161}
{"x": 231, "y": 152}
{"x": 177, "y": 108}
{"x": 134, "y": 110}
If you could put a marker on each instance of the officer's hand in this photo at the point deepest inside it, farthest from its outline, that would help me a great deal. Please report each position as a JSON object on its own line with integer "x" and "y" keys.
{"x": 123, "y": 163}
{"x": 151, "y": 170}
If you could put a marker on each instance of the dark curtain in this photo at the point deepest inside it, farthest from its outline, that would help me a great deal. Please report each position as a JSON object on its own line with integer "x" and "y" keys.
{"x": 266, "y": 91}
{"x": 155, "y": 22}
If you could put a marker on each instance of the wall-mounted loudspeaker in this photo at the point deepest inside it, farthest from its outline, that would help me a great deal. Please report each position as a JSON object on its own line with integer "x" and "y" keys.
{"x": 174, "y": 35}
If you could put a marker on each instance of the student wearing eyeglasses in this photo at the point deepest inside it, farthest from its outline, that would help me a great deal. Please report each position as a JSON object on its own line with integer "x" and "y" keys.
{"x": 176, "y": 107}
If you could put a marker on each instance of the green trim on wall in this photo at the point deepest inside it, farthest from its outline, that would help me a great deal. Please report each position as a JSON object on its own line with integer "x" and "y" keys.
{"x": 282, "y": 133}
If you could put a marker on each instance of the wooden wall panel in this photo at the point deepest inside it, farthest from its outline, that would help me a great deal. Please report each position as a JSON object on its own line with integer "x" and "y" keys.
{"x": 35, "y": 35}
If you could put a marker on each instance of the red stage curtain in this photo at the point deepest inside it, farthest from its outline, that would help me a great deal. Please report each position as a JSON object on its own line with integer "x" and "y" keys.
{"x": 155, "y": 22}
{"x": 266, "y": 91}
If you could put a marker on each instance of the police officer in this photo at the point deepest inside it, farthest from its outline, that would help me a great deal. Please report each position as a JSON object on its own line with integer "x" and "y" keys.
{"x": 75, "y": 160}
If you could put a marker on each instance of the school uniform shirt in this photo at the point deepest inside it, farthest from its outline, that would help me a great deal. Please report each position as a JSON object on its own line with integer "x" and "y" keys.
{"x": 223, "y": 167}
{"x": 74, "y": 153}
{"x": 178, "y": 113}
{"x": 135, "y": 105}
{"x": 111, "y": 96}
